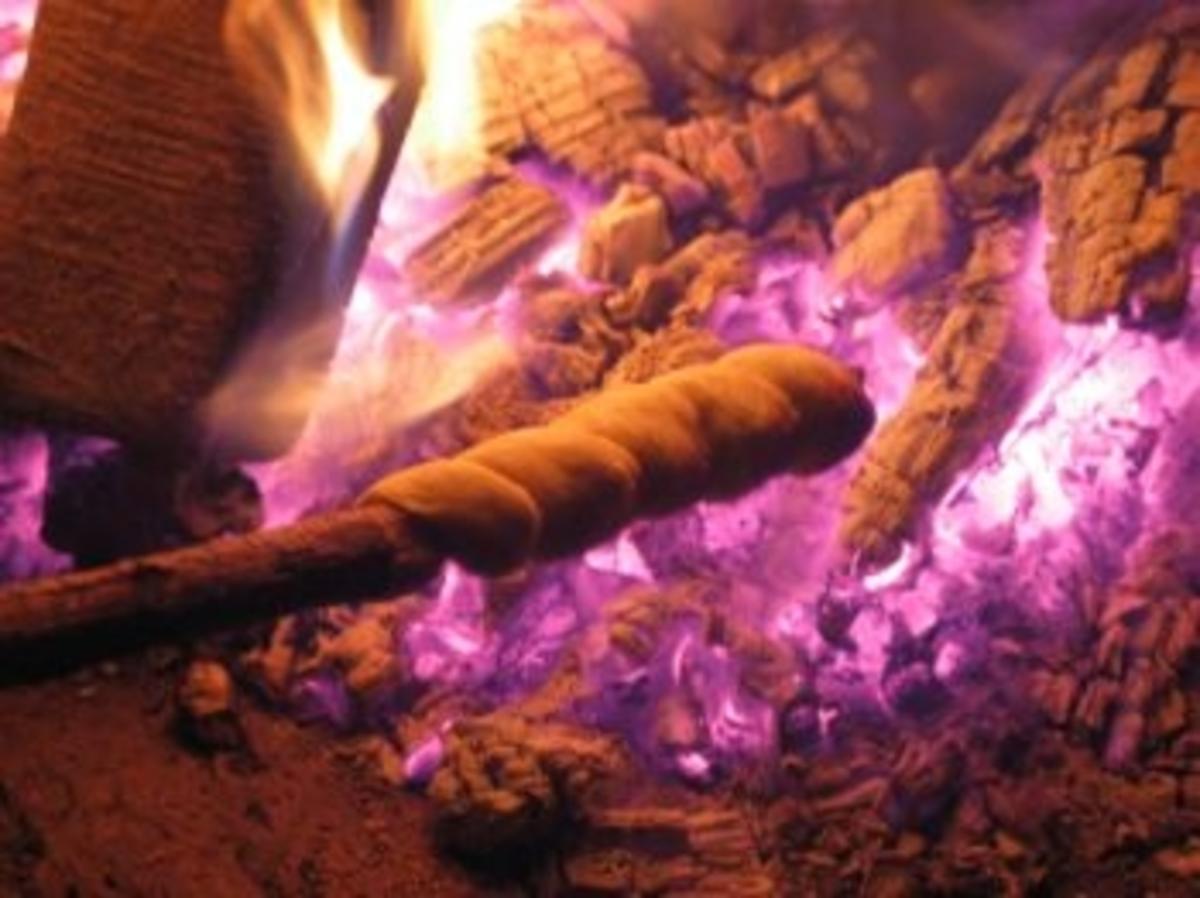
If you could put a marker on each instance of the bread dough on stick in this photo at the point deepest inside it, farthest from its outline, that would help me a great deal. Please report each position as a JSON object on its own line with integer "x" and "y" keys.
{"x": 748, "y": 424}
{"x": 660, "y": 430}
{"x": 487, "y": 522}
{"x": 584, "y": 485}
{"x": 835, "y": 413}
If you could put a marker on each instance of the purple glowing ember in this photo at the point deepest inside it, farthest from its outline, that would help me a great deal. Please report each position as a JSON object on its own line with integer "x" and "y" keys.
{"x": 1052, "y": 507}
{"x": 24, "y": 463}
{"x": 759, "y": 632}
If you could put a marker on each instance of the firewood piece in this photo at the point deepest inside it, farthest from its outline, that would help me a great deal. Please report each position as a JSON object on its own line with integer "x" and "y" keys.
{"x": 1144, "y": 650}
{"x": 556, "y": 82}
{"x": 709, "y": 265}
{"x": 206, "y": 720}
{"x": 1119, "y": 171}
{"x": 1054, "y": 694}
{"x": 684, "y": 193}
{"x": 845, "y": 82}
{"x": 898, "y": 237}
{"x": 786, "y": 74}
{"x": 781, "y": 407}
{"x": 739, "y": 183}
{"x": 509, "y": 786}
{"x": 925, "y": 785}
{"x": 364, "y": 652}
{"x": 781, "y": 148}
{"x": 567, "y": 341}
{"x": 496, "y": 231}
{"x": 690, "y": 144}
{"x": 630, "y": 231}
{"x": 1181, "y": 168}
{"x": 1185, "y": 81}
{"x": 833, "y": 153}
{"x": 207, "y": 689}
{"x": 1136, "y": 75}
{"x": 976, "y": 373}
{"x": 154, "y": 219}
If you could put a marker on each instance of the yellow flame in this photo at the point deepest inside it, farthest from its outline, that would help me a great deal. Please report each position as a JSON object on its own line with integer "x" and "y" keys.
{"x": 448, "y": 124}
{"x": 305, "y": 58}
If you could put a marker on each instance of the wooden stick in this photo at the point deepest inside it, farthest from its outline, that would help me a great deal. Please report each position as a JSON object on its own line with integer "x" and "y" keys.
{"x": 367, "y": 552}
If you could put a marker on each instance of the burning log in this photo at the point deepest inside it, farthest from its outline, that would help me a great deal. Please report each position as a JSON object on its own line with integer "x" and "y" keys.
{"x": 147, "y": 174}
{"x": 706, "y": 432}
{"x": 568, "y": 342}
{"x": 683, "y": 288}
{"x": 683, "y": 193}
{"x": 628, "y": 233}
{"x": 1133, "y": 694}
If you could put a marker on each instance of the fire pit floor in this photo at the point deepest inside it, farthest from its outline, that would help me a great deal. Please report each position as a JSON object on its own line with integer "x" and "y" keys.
{"x": 98, "y": 798}
{"x": 103, "y": 794}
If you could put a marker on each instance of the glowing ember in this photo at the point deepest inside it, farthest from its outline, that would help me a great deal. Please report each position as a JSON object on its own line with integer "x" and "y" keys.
{"x": 24, "y": 461}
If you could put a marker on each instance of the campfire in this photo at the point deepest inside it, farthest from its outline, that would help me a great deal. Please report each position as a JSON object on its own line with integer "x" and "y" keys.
{"x": 699, "y": 448}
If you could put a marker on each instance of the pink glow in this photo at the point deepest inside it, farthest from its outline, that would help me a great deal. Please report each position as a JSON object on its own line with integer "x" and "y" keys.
{"x": 23, "y": 467}
{"x": 451, "y": 643}
{"x": 16, "y": 25}
{"x": 423, "y": 760}
{"x": 1066, "y": 472}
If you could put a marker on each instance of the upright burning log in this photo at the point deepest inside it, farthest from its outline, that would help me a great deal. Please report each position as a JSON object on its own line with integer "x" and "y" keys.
{"x": 157, "y": 216}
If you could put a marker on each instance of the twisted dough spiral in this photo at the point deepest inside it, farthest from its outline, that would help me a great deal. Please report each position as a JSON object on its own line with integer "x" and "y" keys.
{"x": 706, "y": 432}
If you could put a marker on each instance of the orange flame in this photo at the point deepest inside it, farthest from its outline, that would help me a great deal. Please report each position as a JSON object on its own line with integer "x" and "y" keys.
{"x": 306, "y": 59}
